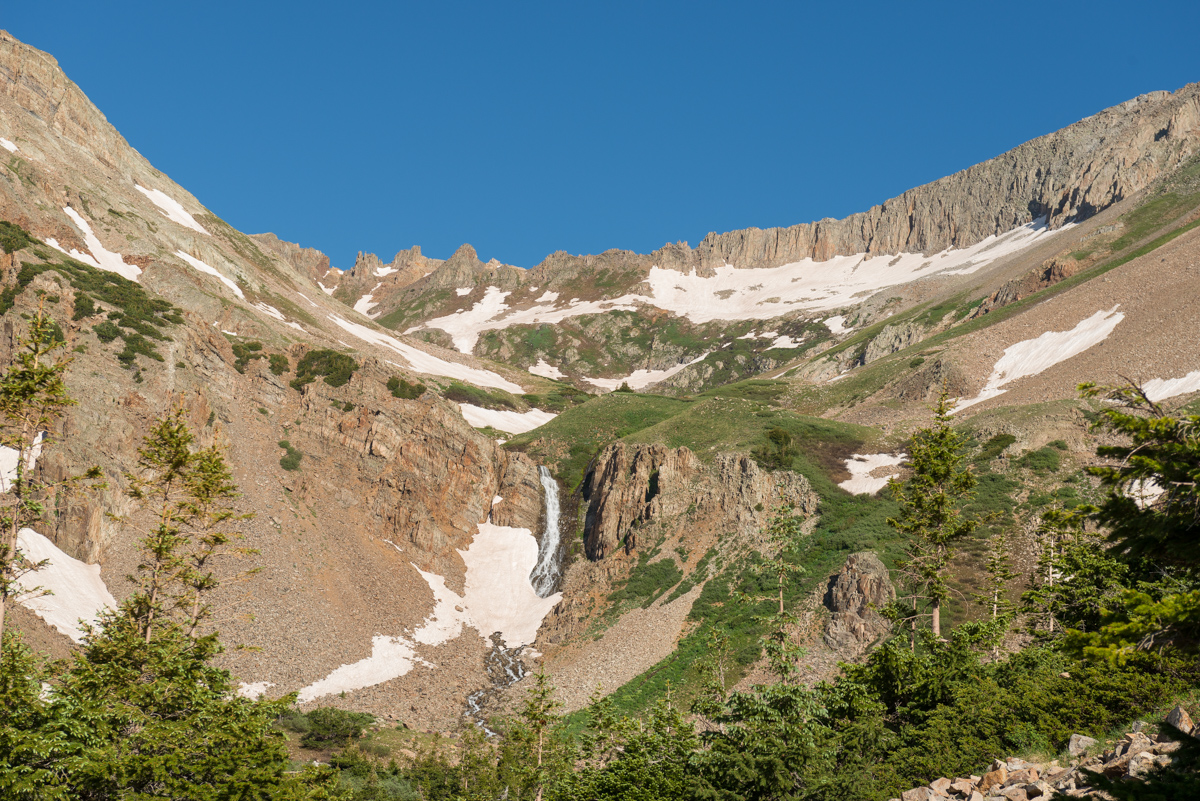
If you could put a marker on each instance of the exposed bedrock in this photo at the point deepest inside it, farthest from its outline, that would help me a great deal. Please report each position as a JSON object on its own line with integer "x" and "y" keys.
{"x": 629, "y": 485}
{"x": 854, "y": 599}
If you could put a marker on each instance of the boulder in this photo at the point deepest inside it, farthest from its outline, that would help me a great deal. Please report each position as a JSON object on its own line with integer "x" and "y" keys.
{"x": 940, "y": 786}
{"x": 918, "y": 794}
{"x": 1078, "y": 744}
{"x": 1180, "y": 719}
{"x": 994, "y": 778}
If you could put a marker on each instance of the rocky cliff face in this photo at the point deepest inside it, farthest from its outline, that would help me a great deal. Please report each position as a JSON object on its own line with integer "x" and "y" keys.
{"x": 856, "y": 595}
{"x": 630, "y": 486}
{"x": 1064, "y": 176}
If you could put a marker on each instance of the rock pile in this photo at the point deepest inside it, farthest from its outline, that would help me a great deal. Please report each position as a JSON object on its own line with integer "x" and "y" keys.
{"x": 1132, "y": 757}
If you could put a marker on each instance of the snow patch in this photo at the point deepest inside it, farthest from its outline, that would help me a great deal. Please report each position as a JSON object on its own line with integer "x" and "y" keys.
{"x": 1032, "y": 356}
{"x": 254, "y": 690}
{"x": 1157, "y": 389}
{"x": 391, "y": 658}
{"x": 423, "y": 362}
{"x": 7, "y": 145}
{"x": 465, "y": 326}
{"x": 641, "y": 378}
{"x": 364, "y": 305}
{"x": 861, "y": 465}
{"x": 497, "y": 597}
{"x": 328, "y": 290}
{"x": 547, "y": 296}
{"x": 463, "y": 291}
{"x": 171, "y": 208}
{"x": 207, "y": 270}
{"x": 270, "y": 311}
{"x": 546, "y": 370}
{"x": 8, "y": 462}
{"x": 837, "y": 324}
{"x": 78, "y": 591}
{"x": 99, "y": 257}
{"x": 507, "y": 421}
{"x": 786, "y": 342}
{"x": 383, "y": 272}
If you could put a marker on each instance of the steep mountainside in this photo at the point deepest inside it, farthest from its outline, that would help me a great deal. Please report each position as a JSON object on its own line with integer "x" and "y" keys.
{"x": 446, "y": 471}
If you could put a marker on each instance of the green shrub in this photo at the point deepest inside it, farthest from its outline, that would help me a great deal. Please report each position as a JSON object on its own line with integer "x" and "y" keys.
{"x": 327, "y": 726}
{"x": 917, "y": 362}
{"x": 994, "y": 447}
{"x": 465, "y": 393}
{"x": 336, "y": 368}
{"x": 779, "y": 453}
{"x": 647, "y": 582}
{"x": 13, "y": 237}
{"x": 290, "y": 460}
{"x": 1042, "y": 461}
{"x": 279, "y": 364}
{"x": 244, "y": 352}
{"x": 624, "y": 387}
{"x": 1057, "y": 444}
{"x": 404, "y": 390}
{"x": 84, "y": 307}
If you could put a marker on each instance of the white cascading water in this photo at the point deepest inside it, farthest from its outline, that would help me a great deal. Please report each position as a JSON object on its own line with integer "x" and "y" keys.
{"x": 545, "y": 573}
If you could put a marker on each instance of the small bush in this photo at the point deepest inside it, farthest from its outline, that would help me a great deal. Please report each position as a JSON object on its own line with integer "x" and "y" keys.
{"x": 1058, "y": 444}
{"x": 244, "y": 352}
{"x": 624, "y": 387}
{"x": 404, "y": 390}
{"x": 465, "y": 393}
{"x": 327, "y": 725}
{"x": 106, "y": 332}
{"x": 13, "y": 237}
{"x": 290, "y": 460}
{"x": 335, "y": 368}
{"x": 279, "y": 364}
{"x": 994, "y": 447}
{"x": 917, "y": 362}
{"x": 84, "y": 307}
{"x": 1041, "y": 461}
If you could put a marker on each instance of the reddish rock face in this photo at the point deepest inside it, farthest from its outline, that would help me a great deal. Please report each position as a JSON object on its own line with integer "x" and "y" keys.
{"x": 633, "y": 484}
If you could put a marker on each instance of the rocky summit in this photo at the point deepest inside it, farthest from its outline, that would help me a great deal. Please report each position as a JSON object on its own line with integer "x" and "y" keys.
{"x": 451, "y": 474}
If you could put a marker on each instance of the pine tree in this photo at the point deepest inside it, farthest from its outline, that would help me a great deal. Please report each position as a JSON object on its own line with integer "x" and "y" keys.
{"x": 931, "y": 516}
{"x": 994, "y": 598}
{"x": 33, "y": 399}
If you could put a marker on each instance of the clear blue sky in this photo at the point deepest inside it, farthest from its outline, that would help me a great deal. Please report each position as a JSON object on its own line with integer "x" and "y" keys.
{"x": 525, "y": 128}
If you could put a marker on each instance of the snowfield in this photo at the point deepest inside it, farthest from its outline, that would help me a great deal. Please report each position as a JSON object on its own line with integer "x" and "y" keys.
{"x": 497, "y": 597}
{"x": 207, "y": 270}
{"x": 748, "y": 294}
{"x": 364, "y": 304}
{"x": 171, "y": 209}
{"x": 507, "y": 421}
{"x": 546, "y": 370}
{"x": 8, "y": 462}
{"x": 98, "y": 257}
{"x": 1033, "y": 356}
{"x": 860, "y": 465}
{"x": 423, "y": 362}
{"x": 7, "y": 145}
{"x": 465, "y": 326}
{"x": 837, "y": 324}
{"x": 643, "y": 378}
{"x": 78, "y": 591}
{"x": 1157, "y": 389}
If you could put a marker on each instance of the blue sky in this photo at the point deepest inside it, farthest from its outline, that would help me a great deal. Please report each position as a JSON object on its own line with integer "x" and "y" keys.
{"x": 526, "y": 128}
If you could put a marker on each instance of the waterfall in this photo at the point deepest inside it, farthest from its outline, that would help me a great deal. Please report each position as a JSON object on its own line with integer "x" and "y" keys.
{"x": 545, "y": 573}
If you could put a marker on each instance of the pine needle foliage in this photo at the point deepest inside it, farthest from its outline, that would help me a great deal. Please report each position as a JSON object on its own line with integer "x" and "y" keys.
{"x": 931, "y": 516}
{"x": 33, "y": 400}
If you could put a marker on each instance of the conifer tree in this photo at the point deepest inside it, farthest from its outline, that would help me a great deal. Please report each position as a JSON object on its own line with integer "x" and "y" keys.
{"x": 931, "y": 516}
{"x": 33, "y": 399}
